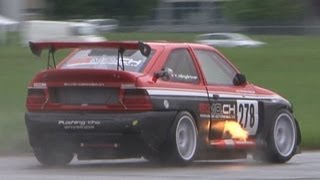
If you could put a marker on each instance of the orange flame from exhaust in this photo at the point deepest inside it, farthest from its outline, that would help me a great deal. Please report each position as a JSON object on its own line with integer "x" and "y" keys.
{"x": 231, "y": 129}
{"x": 235, "y": 130}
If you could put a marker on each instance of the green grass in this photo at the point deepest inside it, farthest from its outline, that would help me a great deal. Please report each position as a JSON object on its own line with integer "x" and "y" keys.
{"x": 288, "y": 65}
{"x": 17, "y": 68}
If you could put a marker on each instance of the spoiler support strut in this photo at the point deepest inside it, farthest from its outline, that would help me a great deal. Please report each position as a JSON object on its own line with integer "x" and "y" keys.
{"x": 120, "y": 55}
{"x": 51, "y": 52}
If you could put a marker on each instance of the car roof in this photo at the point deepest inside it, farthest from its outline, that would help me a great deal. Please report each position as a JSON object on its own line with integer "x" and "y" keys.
{"x": 100, "y": 20}
{"x": 220, "y": 33}
{"x": 179, "y": 44}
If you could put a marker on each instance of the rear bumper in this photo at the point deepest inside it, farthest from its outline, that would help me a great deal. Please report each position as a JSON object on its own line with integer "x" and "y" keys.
{"x": 121, "y": 131}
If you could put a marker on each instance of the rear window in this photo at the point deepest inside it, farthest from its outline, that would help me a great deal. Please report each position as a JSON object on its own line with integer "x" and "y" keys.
{"x": 107, "y": 58}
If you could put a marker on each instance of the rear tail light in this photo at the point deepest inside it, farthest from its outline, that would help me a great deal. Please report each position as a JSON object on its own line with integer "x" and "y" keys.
{"x": 36, "y": 96}
{"x": 136, "y": 98}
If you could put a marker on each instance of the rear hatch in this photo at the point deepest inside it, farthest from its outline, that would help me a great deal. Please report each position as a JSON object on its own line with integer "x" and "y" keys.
{"x": 84, "y": 89}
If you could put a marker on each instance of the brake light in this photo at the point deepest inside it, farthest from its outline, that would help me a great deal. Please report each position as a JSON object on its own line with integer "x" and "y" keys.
{"x": 36, "y": 96}
{"x": 136, "y": 99}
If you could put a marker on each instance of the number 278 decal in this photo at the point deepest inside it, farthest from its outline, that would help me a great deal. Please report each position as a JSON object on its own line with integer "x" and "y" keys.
{"x": 247, "y": 115}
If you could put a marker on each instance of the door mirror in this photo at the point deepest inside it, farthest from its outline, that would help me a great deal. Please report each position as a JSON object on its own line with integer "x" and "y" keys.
{"x": 239, "y": 79}
{"x": 164, "y": 74}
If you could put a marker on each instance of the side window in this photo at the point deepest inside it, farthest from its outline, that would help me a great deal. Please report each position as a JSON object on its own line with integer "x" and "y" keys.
{"x": 219, "y": 37}
{"x": 181, "y": 64}
{"x": 216, "y": 70}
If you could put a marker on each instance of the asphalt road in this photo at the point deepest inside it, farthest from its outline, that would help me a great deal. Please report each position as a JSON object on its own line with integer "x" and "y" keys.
{"x": 302, "y": 166}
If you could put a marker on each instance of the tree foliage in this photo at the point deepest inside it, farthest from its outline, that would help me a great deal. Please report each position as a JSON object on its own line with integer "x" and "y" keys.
{"x": 123, "y": 9}
{"x": 265, "y": 11}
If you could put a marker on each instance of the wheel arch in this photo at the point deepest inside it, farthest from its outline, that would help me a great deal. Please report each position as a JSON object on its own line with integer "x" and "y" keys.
{"x": 299, "y": 137}
{"x": 270, "y": 110}
{"x": 194, "y": 116}
{"x": 290, "y": 109}
{"x": 269, "y": 151}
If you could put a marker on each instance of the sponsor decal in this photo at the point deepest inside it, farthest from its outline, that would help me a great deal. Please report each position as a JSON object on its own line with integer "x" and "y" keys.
{"x": 113, "y": 60}
{"x": 245, "y": 112}
{"x": 186, "y": 77}
{"x": 135, "y": 123}
{"x": 225, "y": 110}
{"x": 78, "y": 124}
{"x": 40, "y": 85}
{"x": 103, "y": 61}
{"x": 84, "y": 84}
{"x": 245, "y": 91}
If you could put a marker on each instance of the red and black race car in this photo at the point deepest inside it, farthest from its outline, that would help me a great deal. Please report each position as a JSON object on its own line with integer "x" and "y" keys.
{"x": 169, "y": 102}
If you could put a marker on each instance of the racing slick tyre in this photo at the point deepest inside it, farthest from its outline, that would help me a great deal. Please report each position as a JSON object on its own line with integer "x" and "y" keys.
{"x": 182, "y": 141}
{"x": 282, "y": 138}
{"x": 52, "y": 156}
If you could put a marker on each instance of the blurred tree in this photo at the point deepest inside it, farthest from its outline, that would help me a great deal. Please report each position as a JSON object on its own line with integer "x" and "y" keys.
{"x": 124, "y": 9}
{"x": 257, "y": 12}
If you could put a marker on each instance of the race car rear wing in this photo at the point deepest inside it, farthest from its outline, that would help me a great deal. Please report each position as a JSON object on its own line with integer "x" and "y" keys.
{"x": 37, "y": 47}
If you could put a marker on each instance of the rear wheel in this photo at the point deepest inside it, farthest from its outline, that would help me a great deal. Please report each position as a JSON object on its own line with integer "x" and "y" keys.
{"x": 182, "y": 143}
{"x": 282, "y": 139}
{"x": 53, "y": 156}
